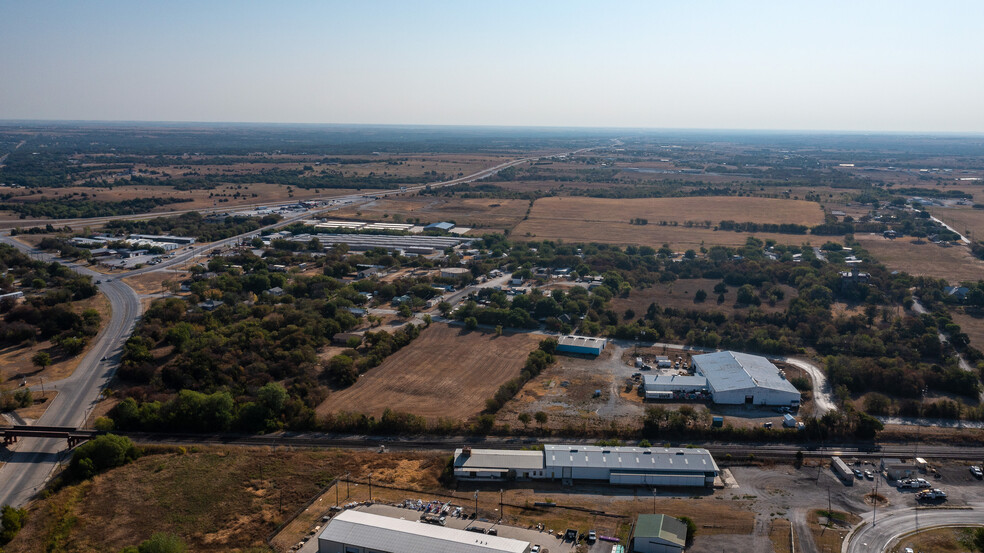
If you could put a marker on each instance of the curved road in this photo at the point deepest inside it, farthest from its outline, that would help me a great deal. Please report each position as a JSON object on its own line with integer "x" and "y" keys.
{"x": 877, "y": 538}
{"x": 29, "y": 464}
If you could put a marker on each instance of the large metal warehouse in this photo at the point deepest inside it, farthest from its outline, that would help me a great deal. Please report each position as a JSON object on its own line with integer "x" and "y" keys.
{"x": 497, "y": 464}
{"x": 739, "y": 378}
{"x": 361, "y": 532}
{"x": 581, "y": 344}
{"x": 632, "y": 466}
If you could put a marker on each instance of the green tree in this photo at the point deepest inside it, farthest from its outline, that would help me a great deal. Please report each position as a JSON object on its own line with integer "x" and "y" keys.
{"x": 471, "y": 323}
{"x": 525, "y": 419}
{"x": 41, "y": 359}
{"x": 102, "y": 453}
{"x": 405, "y": 311}
{"x": 541, "y": 418}
{"x": 691, "y": 528}
{"x": 159, "y": 543}
{"x": 11, "y": 520}
{"x": 700, "y": 296}
{"x": 977, "y": 540}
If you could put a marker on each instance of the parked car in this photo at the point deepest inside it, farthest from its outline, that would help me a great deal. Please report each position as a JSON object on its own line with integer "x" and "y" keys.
{"x": 592, "y": 537}
{"x": 535, "y": 549}
{"x": 869, "y": 475}
{"x": 858, "y": 473}
{"x": 977, "y": 472}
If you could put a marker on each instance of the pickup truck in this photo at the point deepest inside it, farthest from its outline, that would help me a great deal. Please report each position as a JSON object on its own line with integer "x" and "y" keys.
{"x": 933, "y": 494}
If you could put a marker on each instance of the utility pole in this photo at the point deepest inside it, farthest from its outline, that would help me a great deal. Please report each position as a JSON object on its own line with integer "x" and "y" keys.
{"x": 654, "y": 501}
{"x": 830, "y": 513}
{"x": 42, "y": 386}
{"x": 502, "y": 513}
{"x": 476, "y": 504}
{"x": 370, "y": 486}
{"x": 874, "y": 503}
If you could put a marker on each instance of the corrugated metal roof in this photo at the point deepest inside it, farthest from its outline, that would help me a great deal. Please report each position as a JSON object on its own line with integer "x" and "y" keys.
{"x": 498, "y": 459}
{"x": 629, "y": 458}
{"x": 392, "y": 534}
{"x": 730, "y": 370}
{"x": 677, "y": 381}
{"x": 663, "y": 527}
{"x": 582, "y": 341}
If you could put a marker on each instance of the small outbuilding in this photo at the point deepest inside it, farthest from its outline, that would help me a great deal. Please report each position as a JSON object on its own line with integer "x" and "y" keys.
{"x": 659, "y": 534}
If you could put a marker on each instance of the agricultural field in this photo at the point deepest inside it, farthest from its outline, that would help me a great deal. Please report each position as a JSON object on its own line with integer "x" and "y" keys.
{"x": 954, "y": 263}
{"x": 443, "y": 362}
{"x": 965, "y": 220}
{"x": 481, "y": 214}
{"x": 574, "y": 219}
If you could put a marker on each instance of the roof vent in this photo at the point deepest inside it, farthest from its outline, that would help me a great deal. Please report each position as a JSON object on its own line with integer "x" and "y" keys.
{"x": 606, "y": 452}
{"x": 573, "y": 451}
{"x": 647, "y": 452}
{"x": 466, "y": 451}
{"x": 679, "y": 452}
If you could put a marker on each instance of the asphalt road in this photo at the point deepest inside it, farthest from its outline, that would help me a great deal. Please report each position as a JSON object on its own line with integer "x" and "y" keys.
{"x": 878, "y": 537}
{"x": 28, "y": 465}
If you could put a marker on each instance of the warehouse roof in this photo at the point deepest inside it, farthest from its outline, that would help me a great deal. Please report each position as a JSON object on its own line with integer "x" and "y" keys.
{"x": 375, "y": 532}
{"x": 479, "y": 459}
{"x": 440, "y": 226}
{"x": 629, "y": 458}
{"x": 730, "y": 370}
{"x": 663, "y": 527}
{"x": 680, "y": 381}
{"x": 581, "y": 341}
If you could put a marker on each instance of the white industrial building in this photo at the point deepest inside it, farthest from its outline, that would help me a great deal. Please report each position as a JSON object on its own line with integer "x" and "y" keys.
{"x": 738, "y": 378}
{"x": 631, "y": 466}
{"x": 360, "y": 532}
{"x": 497, "y": 464}
{"x": 655, "y": 386}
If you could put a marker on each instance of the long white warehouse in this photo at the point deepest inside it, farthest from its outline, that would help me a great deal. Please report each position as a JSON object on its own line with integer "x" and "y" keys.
{"x": 632, "y": 466}
{"x": 361, "y": 532}
{"x": 739, "y": 378}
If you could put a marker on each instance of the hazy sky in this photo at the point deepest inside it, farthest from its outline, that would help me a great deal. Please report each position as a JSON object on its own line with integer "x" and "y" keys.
{"x": 858, "y": 65}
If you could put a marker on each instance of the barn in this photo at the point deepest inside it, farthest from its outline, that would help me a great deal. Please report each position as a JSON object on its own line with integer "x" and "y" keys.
{"x": 739, "y": 378}
{"x": 360, "y": 532}
{"x": 586, "y": 345}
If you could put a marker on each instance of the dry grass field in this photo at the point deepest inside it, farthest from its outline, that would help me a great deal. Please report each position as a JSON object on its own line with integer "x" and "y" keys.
{"x": 679, "y": 294}
{"x": 216, "y": 499}
{"x": 576, "y": 219}
{"x": 445, "y": 372}
{"x": 153, "y": 283}
{"x": 481, "y": 213}
{"x": 965, "y": 220}
{"x": 972, "y": 323}
{"x": 937, "y": 540}
{"x": 955, "y": 263}
{"x": 714, "y": 209}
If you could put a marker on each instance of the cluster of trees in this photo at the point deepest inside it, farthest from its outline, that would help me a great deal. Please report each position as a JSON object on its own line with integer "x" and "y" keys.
{"x": 538, "y": 359}
{"x": 193, "y": 224}
{"x": 100, "y": 454}
{"x": 47, "y": 312}
{"x": 344, "y": 369}
{"x": 783, "y": 228}
{"x": 60, "y": 209}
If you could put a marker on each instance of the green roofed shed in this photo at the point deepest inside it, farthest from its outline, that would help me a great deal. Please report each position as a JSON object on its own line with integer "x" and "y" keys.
{"x": 659, "y": 534}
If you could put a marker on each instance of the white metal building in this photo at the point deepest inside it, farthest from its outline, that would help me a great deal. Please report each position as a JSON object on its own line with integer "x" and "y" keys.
{"x": 633, "y": 466}
{"x": 672, "y": 383}
{"x": 361, "y": 532}
{"x": 497, "y": 464}
{"x": 739, "y": 378}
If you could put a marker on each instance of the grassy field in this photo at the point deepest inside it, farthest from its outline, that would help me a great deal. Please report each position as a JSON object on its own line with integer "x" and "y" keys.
{"x": 937, "y": 540}
{"x": 829, "y": 536}
{"x": 779, "y": 536}
{"x": 445, "y": 372}
{"x": 714, "y": 209}
{"x": 493, "y": 214}
{"x": 575, "y": 219}
{"x": 965, "y": 220}
{"x": 679, "y": 294}
{"x": 972, "y": 323}
{"x": 216, "y": 499}
{"x": 955, "y": 263}
{"x": 152, "y": 283}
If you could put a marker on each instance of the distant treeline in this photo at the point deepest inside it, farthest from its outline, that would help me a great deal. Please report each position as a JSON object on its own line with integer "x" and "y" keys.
{"x": 931, "y": 193}
{"x": 80, "y": 209}
{"x": 193, "y": 224}
{"x": 782, "y": 228}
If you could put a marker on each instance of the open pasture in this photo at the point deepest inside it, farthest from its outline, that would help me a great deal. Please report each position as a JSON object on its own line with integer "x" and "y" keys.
{"x": 445, "y": 372}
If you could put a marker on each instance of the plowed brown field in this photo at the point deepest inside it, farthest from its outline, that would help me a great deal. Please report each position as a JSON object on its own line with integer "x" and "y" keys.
{"x": 445, "y": 372}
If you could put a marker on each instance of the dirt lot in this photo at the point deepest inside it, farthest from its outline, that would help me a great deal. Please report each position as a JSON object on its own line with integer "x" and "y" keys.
{"x": 441, "y": 364}
{"x": 955, "y": 263}
{"x": 680, "y": 295}
{"x": 152, "y": 283}
{"x": 494, "y": 214}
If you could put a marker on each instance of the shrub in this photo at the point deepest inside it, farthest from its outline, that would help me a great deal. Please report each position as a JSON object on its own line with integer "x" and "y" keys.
{"x": 102, "y": 453}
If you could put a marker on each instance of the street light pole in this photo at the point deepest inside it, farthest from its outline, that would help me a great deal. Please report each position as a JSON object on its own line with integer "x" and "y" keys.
{"x": 501, "y": 512}
{"x": 476, "y": 504}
